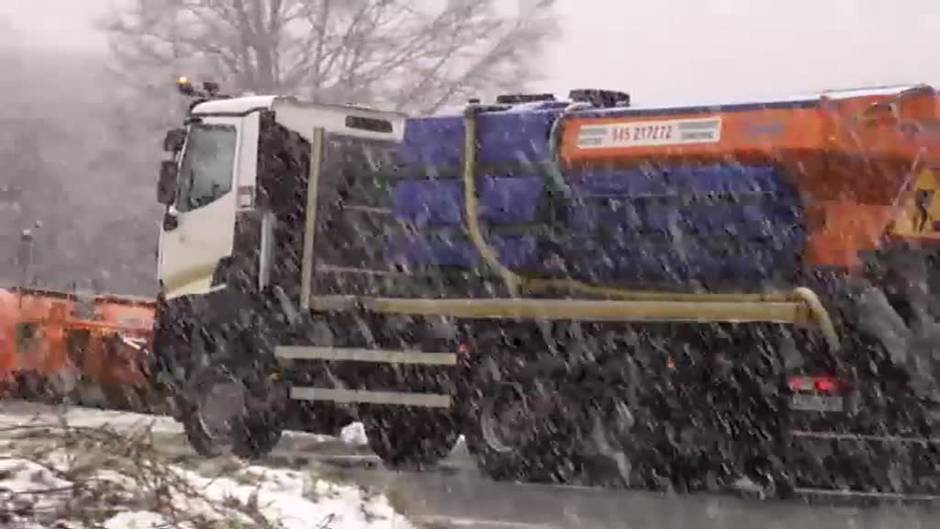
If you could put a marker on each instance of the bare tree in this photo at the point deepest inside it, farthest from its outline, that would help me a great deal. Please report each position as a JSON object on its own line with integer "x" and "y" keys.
{"x": 408, "y": 54}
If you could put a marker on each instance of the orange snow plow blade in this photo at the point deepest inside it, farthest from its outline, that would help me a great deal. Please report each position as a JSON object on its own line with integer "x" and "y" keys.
{"x": 92, "y": 349}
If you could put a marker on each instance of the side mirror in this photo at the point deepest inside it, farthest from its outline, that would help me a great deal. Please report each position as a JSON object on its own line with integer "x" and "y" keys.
{"x": 174, "y": 139}
{"x": 166, "y": 187}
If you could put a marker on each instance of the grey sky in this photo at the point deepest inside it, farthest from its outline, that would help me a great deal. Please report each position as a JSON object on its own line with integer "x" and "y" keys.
{"x": 57, "y": 23}
{"x": 668, "y": 50}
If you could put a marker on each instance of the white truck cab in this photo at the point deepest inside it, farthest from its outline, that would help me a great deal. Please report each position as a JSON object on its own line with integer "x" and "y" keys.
{"x": 214, "y": 174}
{"x": 241, "y": 194}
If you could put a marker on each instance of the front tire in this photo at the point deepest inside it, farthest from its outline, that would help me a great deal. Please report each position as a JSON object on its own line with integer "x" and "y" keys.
{"x": 219, "y": 418}
{"x": 212, "y": 412}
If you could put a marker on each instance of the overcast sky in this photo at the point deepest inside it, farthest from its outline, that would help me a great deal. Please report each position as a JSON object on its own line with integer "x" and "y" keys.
{"x": 669, "y": 50}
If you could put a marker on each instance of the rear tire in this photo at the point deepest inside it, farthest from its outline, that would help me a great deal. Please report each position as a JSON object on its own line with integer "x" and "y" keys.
{"x": 511, "y": 441}
{"x": 498, "y": 456}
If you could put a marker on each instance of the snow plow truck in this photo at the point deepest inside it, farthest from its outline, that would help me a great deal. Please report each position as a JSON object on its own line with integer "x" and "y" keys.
{"x": 687, "y": 295}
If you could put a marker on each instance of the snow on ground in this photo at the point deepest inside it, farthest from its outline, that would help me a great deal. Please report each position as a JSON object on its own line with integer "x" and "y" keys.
{"x": 15, "y": 413}
{"x": 102, "y": 461}
{"x": 135, "y": 520}
{"x": 24, "y": 482}
{"x": 296, "y": 500}
{"x": 285, "y": 499}
{"x": 354, "y": 435}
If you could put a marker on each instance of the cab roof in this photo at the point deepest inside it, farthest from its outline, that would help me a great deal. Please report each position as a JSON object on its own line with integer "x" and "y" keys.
{"x": 247, "y": 104}
{"x": 235, "y": 105}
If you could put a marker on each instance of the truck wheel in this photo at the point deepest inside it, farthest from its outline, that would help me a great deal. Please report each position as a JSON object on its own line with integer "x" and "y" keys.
{"x": 505, "y": 438}
{"x": 211, "y": 417}
{"x": 410, "y": 439}
{"x": 218, "y": 419}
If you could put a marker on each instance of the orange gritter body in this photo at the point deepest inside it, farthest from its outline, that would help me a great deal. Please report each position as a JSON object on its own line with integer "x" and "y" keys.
{"x": 857, "y": 159}
{"x": 101, "y": 340}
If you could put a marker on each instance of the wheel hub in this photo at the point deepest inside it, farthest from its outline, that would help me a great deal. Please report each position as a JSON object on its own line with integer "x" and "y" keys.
{"x": 220, "y": 407}
{"x": 506, "y": 421}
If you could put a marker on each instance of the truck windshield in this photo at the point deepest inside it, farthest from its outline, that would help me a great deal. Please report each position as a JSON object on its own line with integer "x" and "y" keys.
{"x": 208, "y": 163}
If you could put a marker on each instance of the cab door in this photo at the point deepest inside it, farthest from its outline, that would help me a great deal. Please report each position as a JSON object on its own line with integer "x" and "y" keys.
{"x": 198, "y": 229}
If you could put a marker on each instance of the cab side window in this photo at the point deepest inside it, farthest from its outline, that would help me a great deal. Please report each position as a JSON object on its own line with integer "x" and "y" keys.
{"x": 207, "y": 169}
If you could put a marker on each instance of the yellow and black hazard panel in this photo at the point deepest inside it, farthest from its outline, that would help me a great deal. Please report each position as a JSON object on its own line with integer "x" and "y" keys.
{"x": 920, "y": 215}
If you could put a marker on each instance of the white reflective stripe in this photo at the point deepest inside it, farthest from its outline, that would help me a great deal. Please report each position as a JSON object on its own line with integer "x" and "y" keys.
{"x": 864, "y": 494}
{"x": 426, "y": 400}
{"x": 350, "y": 354}
{"x": 835, "y": 436}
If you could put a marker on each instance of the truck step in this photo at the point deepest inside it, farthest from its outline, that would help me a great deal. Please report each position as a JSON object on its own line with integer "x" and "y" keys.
{"x": 361, "y": 396}
{"x": 351, "y": 354}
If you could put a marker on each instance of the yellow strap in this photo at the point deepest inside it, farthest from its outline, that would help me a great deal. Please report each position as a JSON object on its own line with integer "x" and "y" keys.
{"x": 518, "y": 284}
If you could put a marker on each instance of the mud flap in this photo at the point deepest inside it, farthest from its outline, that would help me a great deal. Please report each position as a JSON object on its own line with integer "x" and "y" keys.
{"x": 915, "y": 348}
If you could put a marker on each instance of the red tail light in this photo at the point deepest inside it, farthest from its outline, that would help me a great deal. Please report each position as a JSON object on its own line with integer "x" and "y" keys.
{"x": 827, "y": 385}
{"x": 817, "y": 384}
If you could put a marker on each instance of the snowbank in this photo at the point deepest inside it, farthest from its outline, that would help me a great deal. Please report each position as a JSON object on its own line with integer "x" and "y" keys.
{"x": 297, "y": 501}
{"x": 96, "y": 468}
{"x": 136, "y": 520}
{"x": 278, "y": 498}
{"x": 20, "y": 413}
{"x": 354, "y": 435}
{"x": 27, "y": 486}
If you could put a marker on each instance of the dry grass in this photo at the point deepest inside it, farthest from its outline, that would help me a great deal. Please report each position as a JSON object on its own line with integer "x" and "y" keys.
{"x": 110, "y": 472}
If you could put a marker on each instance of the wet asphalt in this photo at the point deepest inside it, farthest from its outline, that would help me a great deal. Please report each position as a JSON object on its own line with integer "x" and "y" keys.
{"x": 456, "y": 495}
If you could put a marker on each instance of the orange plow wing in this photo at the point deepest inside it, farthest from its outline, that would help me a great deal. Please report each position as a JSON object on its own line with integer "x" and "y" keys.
{"x": 93, "y": 349}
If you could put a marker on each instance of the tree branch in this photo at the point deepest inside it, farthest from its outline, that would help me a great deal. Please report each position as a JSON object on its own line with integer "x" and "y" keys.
{"x": 394, "y": 53}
